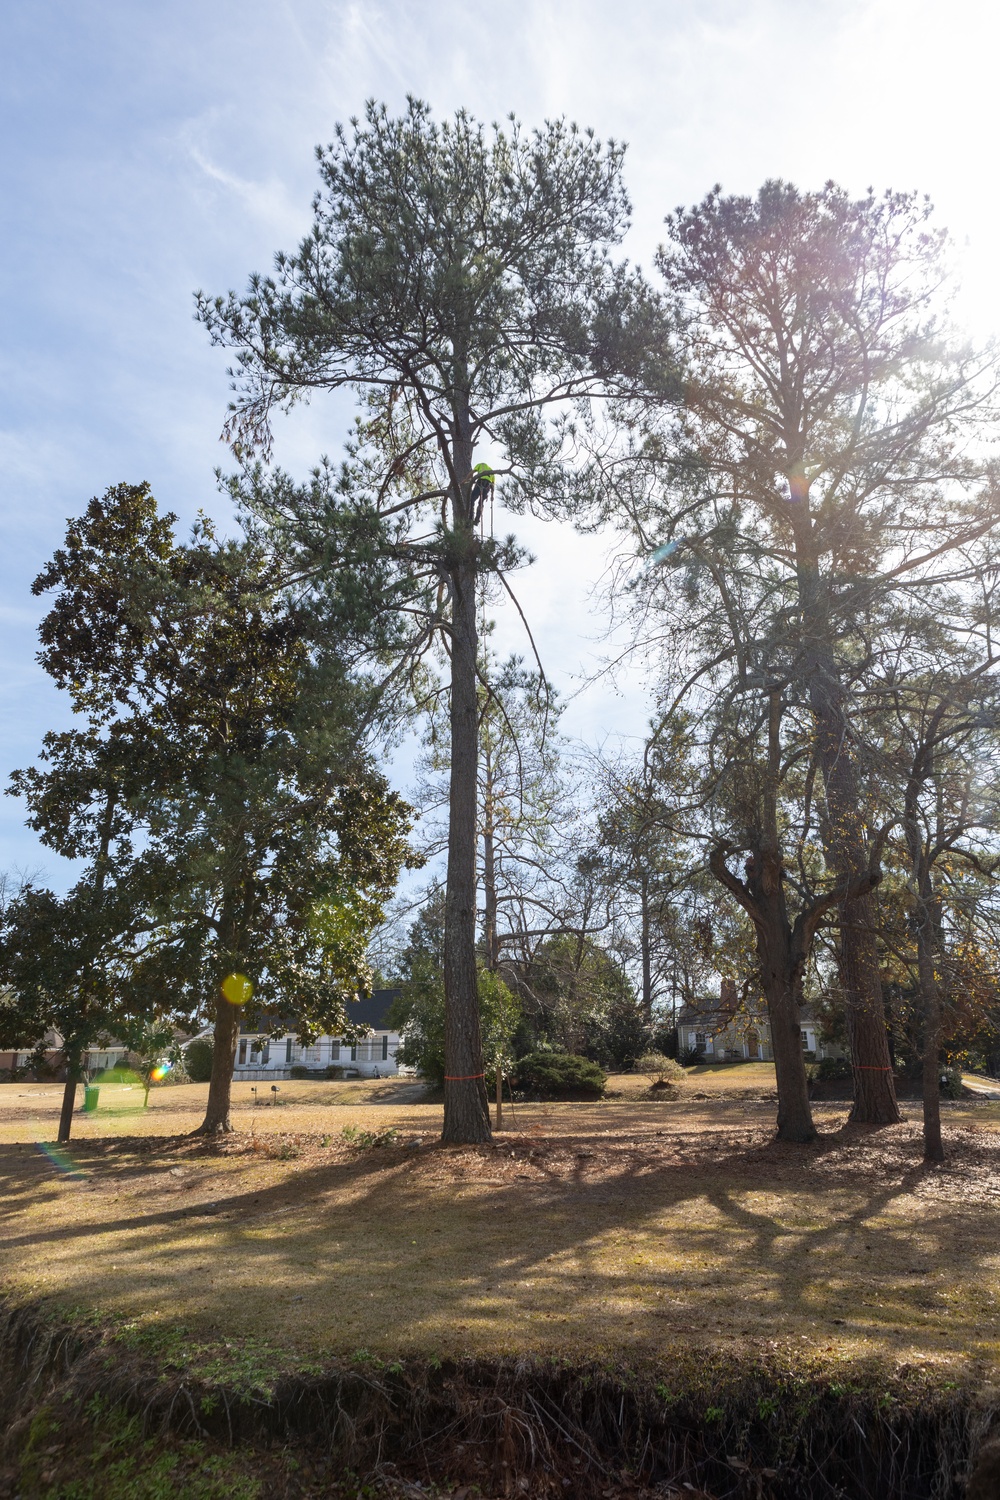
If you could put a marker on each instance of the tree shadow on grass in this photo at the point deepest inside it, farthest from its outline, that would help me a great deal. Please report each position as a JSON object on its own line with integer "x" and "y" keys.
{"x": 629, "y": 1243}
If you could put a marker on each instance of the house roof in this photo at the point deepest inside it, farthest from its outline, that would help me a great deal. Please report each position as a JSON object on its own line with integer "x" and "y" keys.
{"x": 372, "y": 1010}
{"x": 711, "y": 1014}
{"x": 368, "y": 1010}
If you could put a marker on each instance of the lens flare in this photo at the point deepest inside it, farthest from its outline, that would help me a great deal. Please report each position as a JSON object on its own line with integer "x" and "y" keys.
{"x": 59, "y": 1158}
{"x": 662, "y": 553}
{"x": 160, "y": 1072}
{"x": 237, "y": 989}
{"x": 117, "y": 1091}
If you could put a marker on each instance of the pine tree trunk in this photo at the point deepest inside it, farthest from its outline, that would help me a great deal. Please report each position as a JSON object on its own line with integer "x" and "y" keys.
{"x": 845, "y": 841}
{"x": 795, "y": 1121}
{"x": 491, "y": 937}
{"x": 466, "y": 1103}
{"x": 933, "y": 1145}
{"x": 867, "y": 1033}
{"x": 782, "y": 992}
{"x": 781, "y": 951}
{"x": 931, "y": 1000}
{"x": 647, "y": 960}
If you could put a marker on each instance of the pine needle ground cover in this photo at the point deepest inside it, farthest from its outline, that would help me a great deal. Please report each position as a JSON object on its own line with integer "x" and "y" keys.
{"x": 613, "y": 1230}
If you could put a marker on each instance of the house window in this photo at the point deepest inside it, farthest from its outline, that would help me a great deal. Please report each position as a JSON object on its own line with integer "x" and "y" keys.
{"x": 699, "y": 1039}
{"x": 288, "y": 1050}
{"x": 805, "y": 1041}
{"x": 243, "y": 1052}
{"x": 335, "y": 1051}
{"x": 266, "y": 1057}
{"x": 385, "y": 1047}
{"x": 354, "y": 1054}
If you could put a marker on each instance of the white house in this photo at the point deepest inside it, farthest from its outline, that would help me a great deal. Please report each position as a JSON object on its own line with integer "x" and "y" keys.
{"x": 726, "y": 1030}
{"x": 104, "y": 1054}
{"x": 260, "y": 1057}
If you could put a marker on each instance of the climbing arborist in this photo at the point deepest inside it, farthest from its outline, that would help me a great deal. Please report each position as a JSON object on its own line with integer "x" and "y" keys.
{"x": 483, "y": 480}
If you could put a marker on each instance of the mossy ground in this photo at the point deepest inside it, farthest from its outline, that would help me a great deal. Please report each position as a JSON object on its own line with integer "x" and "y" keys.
{"x": 104, "y": 1453}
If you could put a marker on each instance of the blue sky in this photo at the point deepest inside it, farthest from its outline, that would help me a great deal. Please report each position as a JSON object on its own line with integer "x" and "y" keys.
{"x": 151, "y": 149}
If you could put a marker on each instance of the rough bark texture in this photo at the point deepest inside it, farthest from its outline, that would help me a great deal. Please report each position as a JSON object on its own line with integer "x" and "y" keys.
{"x": 646, "y": 953}
{"x": 782, "y": 949}
{"x": 867, "y": 1032}
{"x": 845, "y": 840}
{"x": 783, "y": 992}
{"x": 491, "y": 937}
{"x": 466, "y": 1103}
{"x": 781, "y": 964}
{"x": 933, "y": 1146}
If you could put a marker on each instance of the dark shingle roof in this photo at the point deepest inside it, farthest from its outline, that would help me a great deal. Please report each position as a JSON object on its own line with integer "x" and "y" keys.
{"x": 370, "y": 1010}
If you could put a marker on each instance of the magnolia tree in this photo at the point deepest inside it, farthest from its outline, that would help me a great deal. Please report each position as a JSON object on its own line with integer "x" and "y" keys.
{"x": 241, "y": 843}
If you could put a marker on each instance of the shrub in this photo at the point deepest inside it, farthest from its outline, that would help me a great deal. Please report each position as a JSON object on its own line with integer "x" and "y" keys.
{"x": 560, "y": 1075}
{"x": 951, "y": 1083}
{"x": 658, "y": 1068}
{"x": 198, "y": 1059}
{"x": 689, "y": 1057}
{"x": 299, "y": 1071}
{"x": 362, "y": 1139}
{"x": 831, "y": 1069}
{"x": 666, "y": 1040}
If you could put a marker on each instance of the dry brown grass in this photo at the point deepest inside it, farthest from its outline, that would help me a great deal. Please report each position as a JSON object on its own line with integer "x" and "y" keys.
{"x": 592, "y": 1230}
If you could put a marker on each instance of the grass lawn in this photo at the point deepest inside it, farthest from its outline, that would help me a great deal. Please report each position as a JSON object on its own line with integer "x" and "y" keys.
{"x": 605, "y": 1230}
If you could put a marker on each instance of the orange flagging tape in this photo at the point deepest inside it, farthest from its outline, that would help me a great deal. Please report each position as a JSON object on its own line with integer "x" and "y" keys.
{"x": 465, "y": 1077}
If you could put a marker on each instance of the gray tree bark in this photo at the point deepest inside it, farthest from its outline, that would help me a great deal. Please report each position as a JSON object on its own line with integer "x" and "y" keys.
{"x": 466, "y": 1103}
{"x": 782, "y": 961}
{"x": 845, "y": 837}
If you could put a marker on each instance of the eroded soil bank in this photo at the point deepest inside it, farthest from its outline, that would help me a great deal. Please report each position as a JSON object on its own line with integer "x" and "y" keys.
{"x": 86, "y": 1418}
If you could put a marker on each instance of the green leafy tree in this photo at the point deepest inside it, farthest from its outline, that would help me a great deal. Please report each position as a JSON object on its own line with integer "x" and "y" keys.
{"x": 57, "y": 973}
{"x": 231, "y": 736}
{"x": 577, "y": 997}
{"x": 419, "y": 1011}
{"x": 460, "y": 280}
{"x": 198, "y": 1060}
{"x": 154, "y": 1048}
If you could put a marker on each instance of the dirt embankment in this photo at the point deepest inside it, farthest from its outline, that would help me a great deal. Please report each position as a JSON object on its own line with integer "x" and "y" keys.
{"x": 758, "y": 1425}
